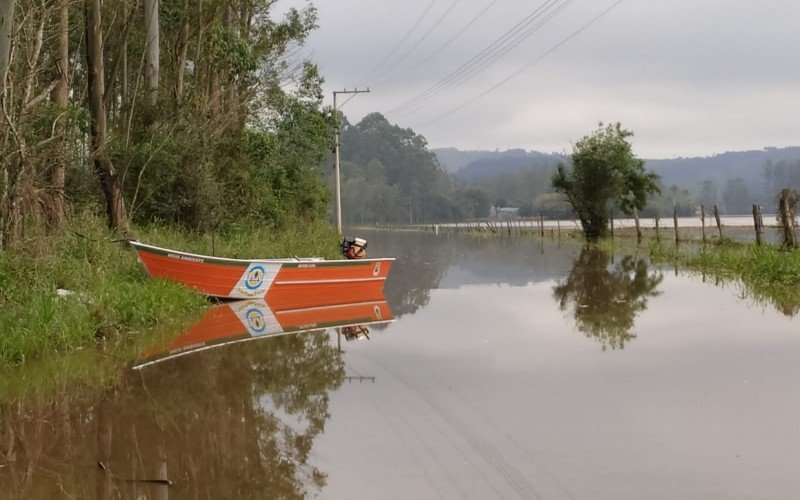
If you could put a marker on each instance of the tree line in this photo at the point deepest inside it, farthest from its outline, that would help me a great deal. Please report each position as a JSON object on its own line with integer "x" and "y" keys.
{"x": 389, "y": 175}
{"x": 196, "y": 113}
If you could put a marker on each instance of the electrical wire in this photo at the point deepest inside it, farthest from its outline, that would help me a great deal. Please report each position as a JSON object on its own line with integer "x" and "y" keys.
{"x": 454, "y": 37}
{"x": 487, "y": 58}
{"x": 510, "y": 39}
{"x": 519, "y": 71}
{"x": 418, "y": 42}
{"x": 400, "y": 43}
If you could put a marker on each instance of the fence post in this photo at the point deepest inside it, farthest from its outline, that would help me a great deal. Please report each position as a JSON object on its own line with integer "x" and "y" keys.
{"x": 675, "y": 221}
{"x": 658, "y": 234}
{"x": 787, "y": 219}
{"x": 541, "y": 225}
{"x": 611, "y": 218}
{"x": 719, "y": 224}
{"x": 756, "y": 225}
{"x": 703, "y": 221}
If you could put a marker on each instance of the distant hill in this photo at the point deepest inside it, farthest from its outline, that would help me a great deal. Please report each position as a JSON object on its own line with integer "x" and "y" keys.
{"x": 474, "y": 165}
{"x": 452, "y": 159}
{"x": 684, "y": 172}
{"x": 749, "y": 165}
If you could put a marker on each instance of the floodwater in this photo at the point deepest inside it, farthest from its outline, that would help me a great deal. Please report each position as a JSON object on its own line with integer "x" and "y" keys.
{"x": 735, "y": 227}
{"x": 512, "y": 369}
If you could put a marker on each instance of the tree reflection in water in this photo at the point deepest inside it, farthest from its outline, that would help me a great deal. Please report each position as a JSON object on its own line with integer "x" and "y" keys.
{"x": 237, "y": 422}
{"x": 607, "y": 297}
{"x": 419, "y": 268}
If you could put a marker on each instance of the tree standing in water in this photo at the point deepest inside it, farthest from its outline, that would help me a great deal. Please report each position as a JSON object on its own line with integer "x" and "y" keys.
{"x": 604, "y": 172}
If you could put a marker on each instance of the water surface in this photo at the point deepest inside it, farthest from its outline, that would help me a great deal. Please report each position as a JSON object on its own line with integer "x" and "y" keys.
{"x": 513, "y": 369}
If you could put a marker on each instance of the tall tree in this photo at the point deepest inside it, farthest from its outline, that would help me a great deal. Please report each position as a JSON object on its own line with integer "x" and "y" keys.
{"x": 151, "y": 50}
{"x": 736, "y": 196}
{"x": 109, "y": 178}
{"x": 604, "y": 172}
{"x": 60, "y": 99}
{"x": 181, "y": 51}
{"x": 6, "y": 25}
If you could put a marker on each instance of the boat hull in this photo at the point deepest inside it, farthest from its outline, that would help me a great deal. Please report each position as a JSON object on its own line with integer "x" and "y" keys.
{"x": 254, "y": 319}
{"x": 299, "y": 282}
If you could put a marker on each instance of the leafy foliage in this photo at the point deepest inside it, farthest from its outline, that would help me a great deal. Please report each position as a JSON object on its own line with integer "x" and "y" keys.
{"x": 606, "y": 300}
{"x": 234, "y": 138}
{"x": 604, "y": 172}
{"x": 108, "y": 294}
{"x": 390, "y": 175}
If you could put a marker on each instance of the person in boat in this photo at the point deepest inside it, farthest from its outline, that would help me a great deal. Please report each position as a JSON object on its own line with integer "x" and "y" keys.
{"x": 354, "y": 248}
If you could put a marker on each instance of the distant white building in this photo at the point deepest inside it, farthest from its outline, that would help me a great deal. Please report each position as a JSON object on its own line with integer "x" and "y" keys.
{"x": 504, "y": 212}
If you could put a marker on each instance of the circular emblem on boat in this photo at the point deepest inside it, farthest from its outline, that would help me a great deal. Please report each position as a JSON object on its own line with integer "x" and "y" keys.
{"x": 377, "y": 310}
{"x": 255, "y": 320}
{"x": 377, "y": 269}
{"x": 255, "y": 278}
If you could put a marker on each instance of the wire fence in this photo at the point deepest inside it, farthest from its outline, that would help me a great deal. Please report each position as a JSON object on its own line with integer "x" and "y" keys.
{"x": 756, "y": 227}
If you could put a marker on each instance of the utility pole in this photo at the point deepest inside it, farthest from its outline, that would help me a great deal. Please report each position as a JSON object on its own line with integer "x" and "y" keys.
{"x": 336, "y": 155}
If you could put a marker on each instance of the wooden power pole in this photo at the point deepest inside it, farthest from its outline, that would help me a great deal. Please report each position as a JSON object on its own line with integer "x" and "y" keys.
{"x": 336, "y": 156}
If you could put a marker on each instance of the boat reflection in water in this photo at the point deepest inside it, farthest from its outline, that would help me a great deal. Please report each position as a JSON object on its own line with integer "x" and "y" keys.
{"x": 233, "y": 422}
{"x": 355, "y": 332}
{"x": 246, "y": 320}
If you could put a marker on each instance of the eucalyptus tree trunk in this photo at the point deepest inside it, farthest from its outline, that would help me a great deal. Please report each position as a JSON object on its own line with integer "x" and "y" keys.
{"x": 6, "y": 22}
{"x": 183, "y": 47}
{"x": 231, "y": 100}
{"x": 109, "y": 179}
{"x": 151, "y": 50}
{"x": 60, "y": 98}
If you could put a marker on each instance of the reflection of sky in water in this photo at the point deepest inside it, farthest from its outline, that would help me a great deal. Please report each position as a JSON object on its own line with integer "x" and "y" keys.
{"x": 489, "y": 390}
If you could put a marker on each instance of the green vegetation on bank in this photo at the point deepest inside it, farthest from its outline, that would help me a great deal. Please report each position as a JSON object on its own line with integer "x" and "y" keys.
{"x": 767, "y": 273}
{"x": 202, "y": 131}
{"x": 106, "y": 294}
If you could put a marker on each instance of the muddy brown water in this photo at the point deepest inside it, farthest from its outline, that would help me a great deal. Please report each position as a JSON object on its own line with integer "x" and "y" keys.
{"x": 514, "y": 369}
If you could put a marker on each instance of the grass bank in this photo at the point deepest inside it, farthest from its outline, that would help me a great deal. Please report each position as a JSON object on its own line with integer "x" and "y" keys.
{"x": 110, "y": 298}
{"x": 767, "y": 273}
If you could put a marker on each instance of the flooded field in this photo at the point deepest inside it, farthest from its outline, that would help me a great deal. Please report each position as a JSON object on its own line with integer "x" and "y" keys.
{"x": 495, "y": 369}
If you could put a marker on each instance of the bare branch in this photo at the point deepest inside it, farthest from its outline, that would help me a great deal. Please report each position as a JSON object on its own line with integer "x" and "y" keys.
{"x": 39, "y": 98}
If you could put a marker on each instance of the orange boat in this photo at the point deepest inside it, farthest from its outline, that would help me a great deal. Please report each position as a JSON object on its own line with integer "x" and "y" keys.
{"x": 245, "y": 320}
{"x": 282, "y": 282}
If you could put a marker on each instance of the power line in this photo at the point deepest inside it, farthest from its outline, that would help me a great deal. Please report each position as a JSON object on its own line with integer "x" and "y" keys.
{"x": 421, "y": 39}
{"x": 472, "y": 62}
{"x": 488, "y": 57}
{"x": 519, "y": 71}
{"x": 401, "y": 42}
{"x": 454, "y": 37}
{"x": 490, "y": 54}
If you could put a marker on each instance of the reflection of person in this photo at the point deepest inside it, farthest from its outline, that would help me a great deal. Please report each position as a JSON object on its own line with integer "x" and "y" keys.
{"x": 355, "y": 332}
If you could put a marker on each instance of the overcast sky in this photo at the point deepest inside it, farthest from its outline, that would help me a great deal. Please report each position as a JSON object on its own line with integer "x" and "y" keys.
{"x": 688, "y": 77}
